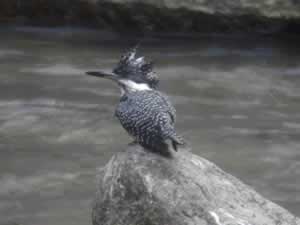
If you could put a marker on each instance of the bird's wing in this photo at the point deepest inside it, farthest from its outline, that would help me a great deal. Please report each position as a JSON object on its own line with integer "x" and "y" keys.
{"x": 168, "y": 114}
{"x": 166, "y": 106}
{"x": 168, "y": 130}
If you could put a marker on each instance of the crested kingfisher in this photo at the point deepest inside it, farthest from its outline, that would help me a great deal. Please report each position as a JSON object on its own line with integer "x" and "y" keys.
{"x": 144, "y": 112}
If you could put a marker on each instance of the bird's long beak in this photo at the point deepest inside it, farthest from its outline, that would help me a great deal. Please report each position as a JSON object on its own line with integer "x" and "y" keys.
{"x": 102, "y": 74}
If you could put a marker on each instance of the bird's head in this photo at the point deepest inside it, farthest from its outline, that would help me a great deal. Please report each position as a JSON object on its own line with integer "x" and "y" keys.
{"x": 131, "y": 73}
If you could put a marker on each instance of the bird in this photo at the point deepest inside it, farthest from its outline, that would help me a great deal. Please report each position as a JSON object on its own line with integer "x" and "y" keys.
{"x": 145, "y": 113}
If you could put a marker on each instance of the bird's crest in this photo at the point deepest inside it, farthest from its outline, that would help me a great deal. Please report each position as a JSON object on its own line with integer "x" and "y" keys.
{"x": 136, "y": 69}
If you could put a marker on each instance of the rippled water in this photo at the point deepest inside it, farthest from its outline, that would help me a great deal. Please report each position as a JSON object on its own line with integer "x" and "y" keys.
{"x": 238, "y": 103}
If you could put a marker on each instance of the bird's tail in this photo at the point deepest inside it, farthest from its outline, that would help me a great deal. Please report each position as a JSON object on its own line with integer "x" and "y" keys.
{"x": 170, "y": 134}
{"x": 177, "y": 140}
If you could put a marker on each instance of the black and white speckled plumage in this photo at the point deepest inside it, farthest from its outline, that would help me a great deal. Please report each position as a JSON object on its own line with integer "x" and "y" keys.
{"x": 149, "y": 118}
{"x": 145, "y": 113}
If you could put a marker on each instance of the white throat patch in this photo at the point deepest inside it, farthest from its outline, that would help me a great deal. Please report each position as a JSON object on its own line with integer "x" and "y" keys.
{"x": 135, "y": 86}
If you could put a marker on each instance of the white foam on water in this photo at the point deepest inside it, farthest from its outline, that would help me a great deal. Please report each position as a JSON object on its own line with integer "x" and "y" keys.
{"x": 57, "y": 69}
{"x": 12, "y": 52}
{"x": 13, "y": 184}
{"x": 291, "y": 125}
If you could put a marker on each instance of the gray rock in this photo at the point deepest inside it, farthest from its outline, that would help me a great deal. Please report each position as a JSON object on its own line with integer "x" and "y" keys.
{"x": 160, "y": 16}
{"x": 202, "y": 16}
{"x": 137, "y": 187}
{"x": 266, "y": 8}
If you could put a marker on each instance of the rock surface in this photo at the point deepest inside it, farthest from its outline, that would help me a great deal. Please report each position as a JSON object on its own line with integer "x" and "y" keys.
{"x": 267, "y": 8}
{"x": 167, "y": 16}
{"x": 141, "y": 188}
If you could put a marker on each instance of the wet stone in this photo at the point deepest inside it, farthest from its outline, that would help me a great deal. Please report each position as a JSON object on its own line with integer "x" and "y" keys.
{"x": 137, "y": 187}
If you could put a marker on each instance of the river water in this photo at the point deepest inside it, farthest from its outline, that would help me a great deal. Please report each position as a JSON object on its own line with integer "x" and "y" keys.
{"x": 237, "y": 99}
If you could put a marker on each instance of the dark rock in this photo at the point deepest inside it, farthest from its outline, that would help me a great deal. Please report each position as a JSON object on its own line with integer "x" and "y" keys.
{"x": 158, "y": 16}
{"x": 141, "y": 188}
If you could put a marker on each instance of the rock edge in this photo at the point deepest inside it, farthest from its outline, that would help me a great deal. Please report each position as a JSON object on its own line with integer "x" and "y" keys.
{"x": 137, "y": 187}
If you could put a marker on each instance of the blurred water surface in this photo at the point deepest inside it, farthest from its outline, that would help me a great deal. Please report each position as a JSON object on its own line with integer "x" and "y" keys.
{"x": 238, "y": 102}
